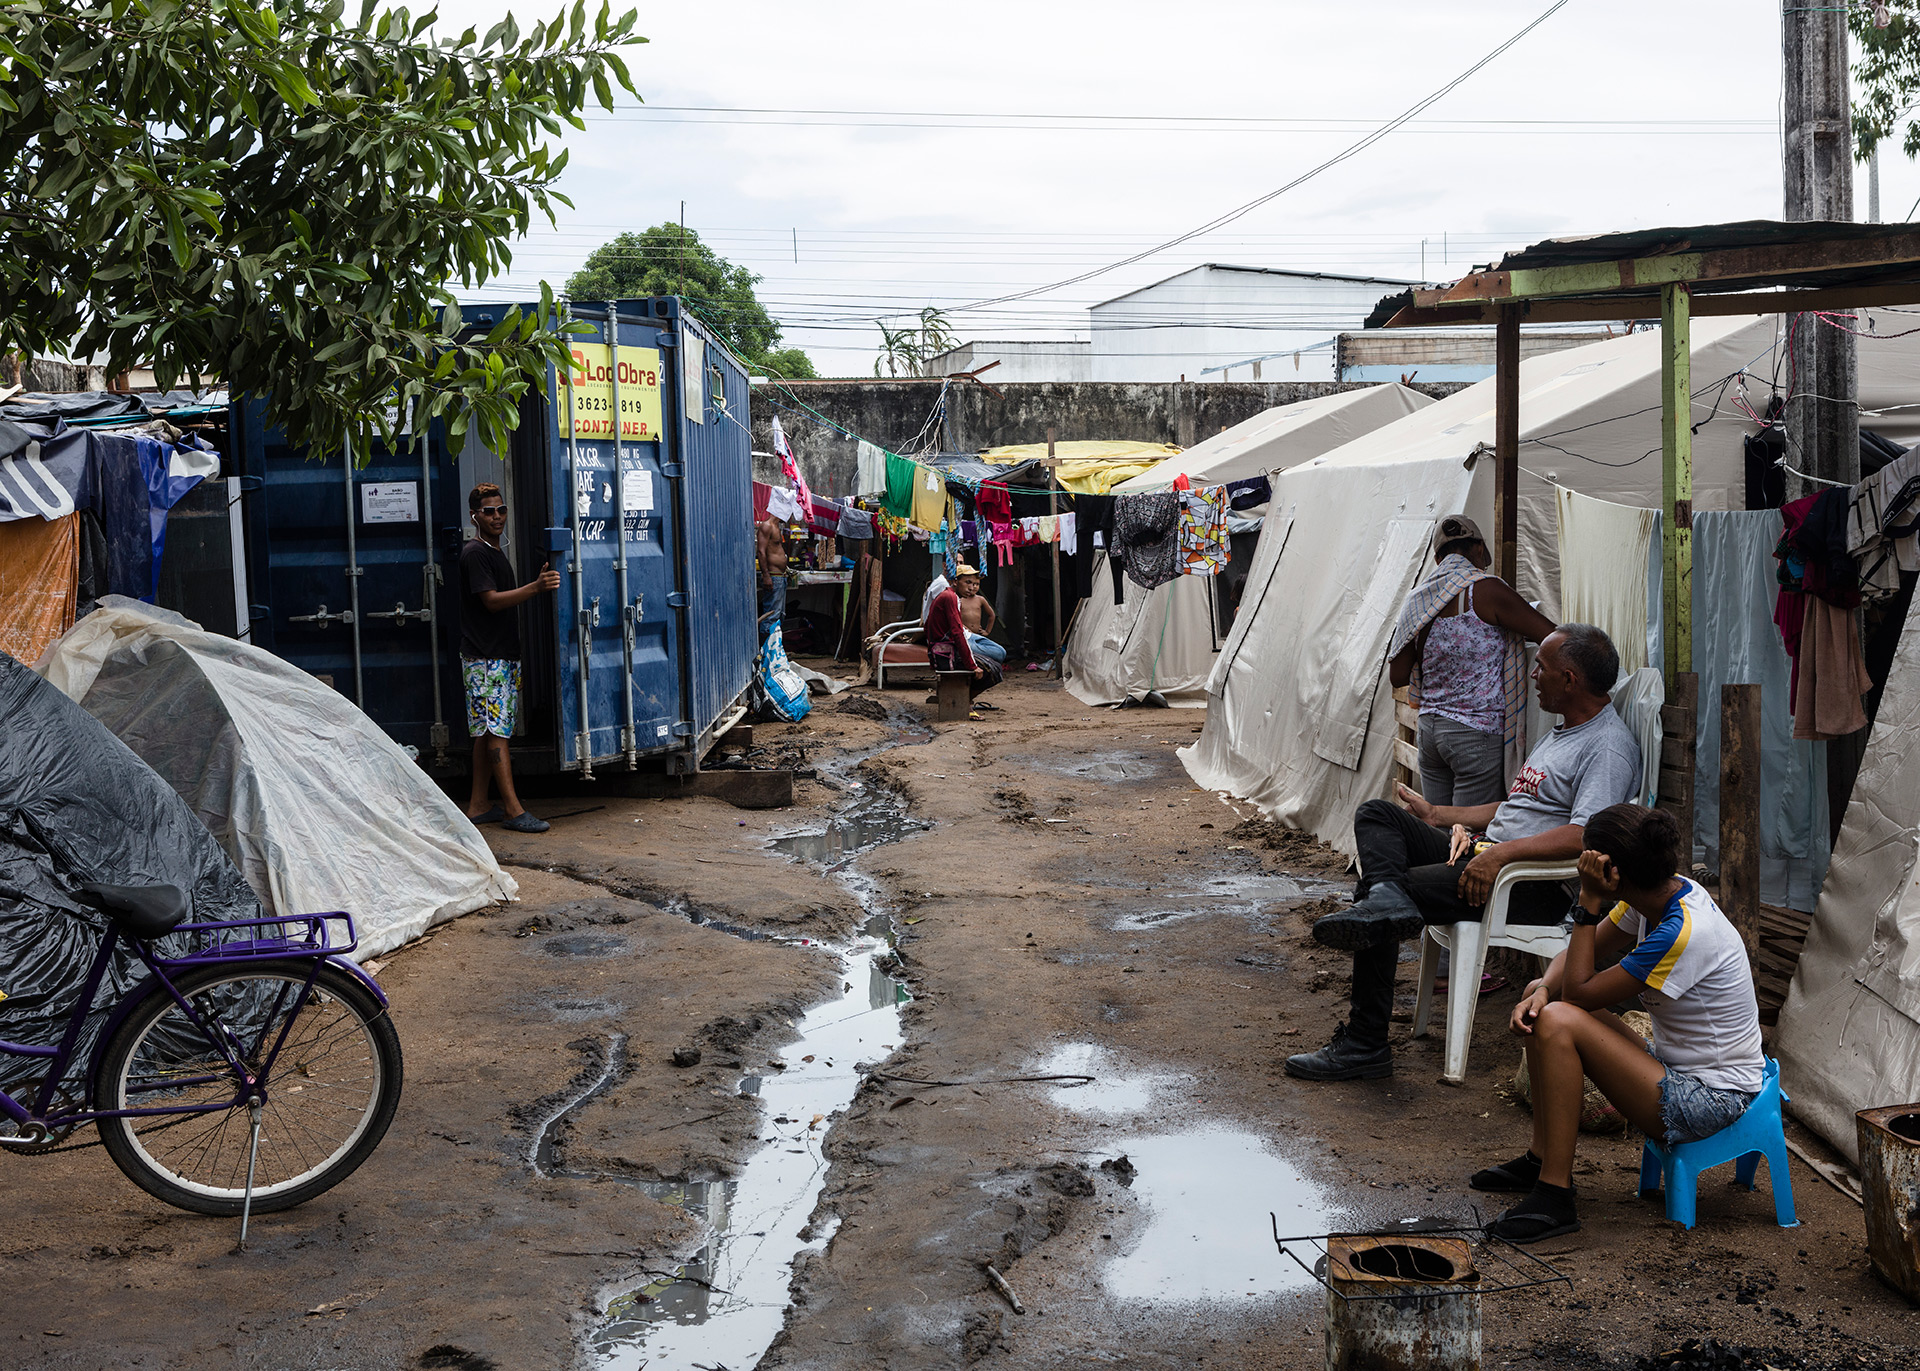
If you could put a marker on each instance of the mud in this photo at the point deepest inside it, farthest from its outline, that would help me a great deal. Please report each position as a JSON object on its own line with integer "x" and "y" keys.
{"x": 1064, "y": 900}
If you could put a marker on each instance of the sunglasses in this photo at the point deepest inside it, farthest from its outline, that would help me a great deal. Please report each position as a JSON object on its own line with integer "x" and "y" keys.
{"x": 491, "y": 509}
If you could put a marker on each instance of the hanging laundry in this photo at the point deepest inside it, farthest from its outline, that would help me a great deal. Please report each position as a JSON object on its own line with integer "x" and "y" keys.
{"x": 791, "y": 468}
{"x": 1883, "y": 526}
{"x": 855, "y": 523}
{"x": 1203, "y": 545}
{"x": 1251, "y": 493}
{"x": 1146, "y": 535}
{"x": 1832, "y": 674}
{"x": 929, "y": 497}
{"x": 900, "y": 476}
{"x": 782, "y": 505}
{"x": 1069, "y": 534}
{"x": 995, "y": 504}
{"x": 870, "y": 469}
{"x": 1047, "y": 528}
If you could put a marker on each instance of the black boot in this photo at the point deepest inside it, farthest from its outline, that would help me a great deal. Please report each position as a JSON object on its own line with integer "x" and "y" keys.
{"x": 1343, "y": 1059}
{"x": 1387, "y": 915}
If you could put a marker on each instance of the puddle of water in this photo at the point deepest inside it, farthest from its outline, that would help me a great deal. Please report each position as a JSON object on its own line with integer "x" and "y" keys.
{"x": 732, "y": 1298}
{"x": 1101, "y": 766}
{"x": 1207, "y": 1193}
{"x": 1242, "y": 895}
{"x": 1114, "y": 1090}
{"x": 868, "y": 823}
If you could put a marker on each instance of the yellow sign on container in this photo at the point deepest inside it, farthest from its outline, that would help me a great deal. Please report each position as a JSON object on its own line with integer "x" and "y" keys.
{"x": 592, "y": 382}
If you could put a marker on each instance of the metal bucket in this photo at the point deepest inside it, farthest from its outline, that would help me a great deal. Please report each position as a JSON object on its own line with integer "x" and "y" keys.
{"x": 1402, "y": 1303}
{"x": 1890, "y": 1177}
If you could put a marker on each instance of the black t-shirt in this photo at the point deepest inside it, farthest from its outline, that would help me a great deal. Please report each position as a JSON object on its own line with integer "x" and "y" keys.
{"x": 486, "y": 633}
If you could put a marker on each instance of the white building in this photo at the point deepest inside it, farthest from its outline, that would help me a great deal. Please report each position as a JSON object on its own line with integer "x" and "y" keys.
{"x": 1218, "y": 322}
{"x": 1042, "y": 359}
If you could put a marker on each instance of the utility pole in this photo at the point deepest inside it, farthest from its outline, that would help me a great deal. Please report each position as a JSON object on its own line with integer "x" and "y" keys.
{"x": 1823, "y": 422}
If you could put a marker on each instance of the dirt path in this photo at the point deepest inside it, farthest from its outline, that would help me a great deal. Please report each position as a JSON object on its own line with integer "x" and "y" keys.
{"x": 1074, "y": 906}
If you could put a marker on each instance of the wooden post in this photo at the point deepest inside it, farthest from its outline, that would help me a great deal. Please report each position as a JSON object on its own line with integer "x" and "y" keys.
{"x": 1506, "y": 446}
{"x": 1053, "y": 509}
{"x": 1676, "y": 476}
{"x": 1740, "y": 811}
{"x": 1679, "y": 727}
{"x": 1406, "y": 746}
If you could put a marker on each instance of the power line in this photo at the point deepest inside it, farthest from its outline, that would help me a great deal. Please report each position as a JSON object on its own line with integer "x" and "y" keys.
{"x": 1352, "y": 150}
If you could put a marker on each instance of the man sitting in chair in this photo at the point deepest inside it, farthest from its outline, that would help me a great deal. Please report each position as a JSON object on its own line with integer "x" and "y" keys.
{"x": 1685, "y": 958}
{"x": 1436, "y": 864}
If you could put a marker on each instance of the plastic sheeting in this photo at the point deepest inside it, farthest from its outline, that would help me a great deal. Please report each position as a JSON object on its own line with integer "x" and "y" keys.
{"x": 1849, "y": 1033}
{"x": 77, "y": 805}
{"x": 1735, "y": 642}
{"x": 39, "y": 583}
{"x": 314, "y": 803}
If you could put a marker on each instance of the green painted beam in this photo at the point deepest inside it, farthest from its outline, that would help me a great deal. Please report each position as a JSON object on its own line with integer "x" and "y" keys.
{"x": 1676, "y": 476}
{"x": 1586, "y": 277}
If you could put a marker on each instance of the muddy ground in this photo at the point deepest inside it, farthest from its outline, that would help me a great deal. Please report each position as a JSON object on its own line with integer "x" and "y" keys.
{"x": 1073, "y": 905}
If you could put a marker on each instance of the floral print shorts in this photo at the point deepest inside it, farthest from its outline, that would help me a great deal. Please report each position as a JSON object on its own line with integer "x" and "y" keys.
{"x": 493, "y": 695}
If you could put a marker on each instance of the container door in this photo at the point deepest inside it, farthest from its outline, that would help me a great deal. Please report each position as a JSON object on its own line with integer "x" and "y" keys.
{"x": 619, "y": 659}
{"x": 345, "y": 573}
{"x": 716, "y": 456}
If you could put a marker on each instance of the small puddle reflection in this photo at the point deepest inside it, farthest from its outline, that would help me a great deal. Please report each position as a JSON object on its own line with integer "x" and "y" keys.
{"x": 869, "y": 822}
{"x": 1207, "y": 1193}
{"x": 1243, "y": 895}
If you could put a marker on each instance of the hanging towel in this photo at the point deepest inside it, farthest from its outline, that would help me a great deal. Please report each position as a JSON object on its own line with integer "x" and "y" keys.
{"x": 792, "y": 469}
{"x": 1203, "y": 531}
{"x": 1603, "y": 570}
{"x": 1832, "y": 676}
{"x": 1070, "y": 534}
{"x": 929, "y": 497}
{"x": 900, "y": 475}
{"x": 1146, "y": 535}
{"x": 870, "y": 469}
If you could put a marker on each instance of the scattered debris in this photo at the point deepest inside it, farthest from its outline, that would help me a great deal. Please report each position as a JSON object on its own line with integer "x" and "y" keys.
{"x": 1000, "y": 1284}
{"x": 1300, "y": 851}
{"x": 1120, "y": 1169}
{"x": 686, "y": 1056}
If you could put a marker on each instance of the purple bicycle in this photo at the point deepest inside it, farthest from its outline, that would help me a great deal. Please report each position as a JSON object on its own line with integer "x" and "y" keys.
{"x": 253, "y": 1074}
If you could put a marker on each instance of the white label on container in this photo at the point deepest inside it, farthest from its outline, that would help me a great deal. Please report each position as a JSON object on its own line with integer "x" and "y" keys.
{"x": 693, "y": 376}
{"x": 639, "y": 491}
{"x": 390, "y": 502}
{"x": 660, "y": 731}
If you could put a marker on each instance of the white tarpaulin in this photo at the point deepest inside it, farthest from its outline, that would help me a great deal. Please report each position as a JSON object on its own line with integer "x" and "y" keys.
{"x": 315, "y": 804}
{"x": 1334, "y": 560}
{"x": 1849, "y": 1034}
{"x": 1164, "y": 639}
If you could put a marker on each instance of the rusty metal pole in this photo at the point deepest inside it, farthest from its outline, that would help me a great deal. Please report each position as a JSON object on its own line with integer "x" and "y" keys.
{"x": 1740, "y": 811}
{"x": 1506, "y": 446}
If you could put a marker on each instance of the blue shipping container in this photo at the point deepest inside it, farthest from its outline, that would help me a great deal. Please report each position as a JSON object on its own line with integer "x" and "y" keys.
{"x": 651, "y": 637}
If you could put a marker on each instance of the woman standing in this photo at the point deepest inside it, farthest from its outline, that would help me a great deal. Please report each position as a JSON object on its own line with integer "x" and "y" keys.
{"x": 1459, "y": 645}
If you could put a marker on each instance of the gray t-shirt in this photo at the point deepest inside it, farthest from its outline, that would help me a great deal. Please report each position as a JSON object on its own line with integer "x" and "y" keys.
{"x": 1571, "y": 776}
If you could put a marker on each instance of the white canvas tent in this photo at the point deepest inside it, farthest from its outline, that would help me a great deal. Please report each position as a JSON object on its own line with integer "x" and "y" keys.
{"x": 318, "y": 808}
{"x": 1164, "y": 639}
{"x": 1301, "y": 722}
{"x": 1849, "y": 1034}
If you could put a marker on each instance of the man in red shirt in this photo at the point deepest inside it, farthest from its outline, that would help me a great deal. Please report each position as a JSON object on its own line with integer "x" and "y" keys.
{"x": 947, "y": 645}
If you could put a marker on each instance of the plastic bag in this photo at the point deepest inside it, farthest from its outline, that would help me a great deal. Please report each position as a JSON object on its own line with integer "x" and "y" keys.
{"x": 783, "y": 691}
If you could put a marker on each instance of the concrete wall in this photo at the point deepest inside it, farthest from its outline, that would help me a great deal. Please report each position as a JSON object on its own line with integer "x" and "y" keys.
{"x": 891, "y": 413}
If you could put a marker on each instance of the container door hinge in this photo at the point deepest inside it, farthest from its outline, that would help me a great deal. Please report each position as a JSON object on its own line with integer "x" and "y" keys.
{"x": 683, "y": 729}
{"x": 673, "y": 471}
{"x": 677, "y": 598}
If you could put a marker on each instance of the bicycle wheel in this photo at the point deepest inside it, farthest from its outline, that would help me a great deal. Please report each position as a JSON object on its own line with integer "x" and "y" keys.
{"x": 329, "y": 1094}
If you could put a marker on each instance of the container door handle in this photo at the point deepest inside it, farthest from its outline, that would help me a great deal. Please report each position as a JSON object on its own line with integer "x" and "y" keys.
{"x": 323, "y": 618}
{"x": 400, "y": 613}
{"x": 588, "y": 618}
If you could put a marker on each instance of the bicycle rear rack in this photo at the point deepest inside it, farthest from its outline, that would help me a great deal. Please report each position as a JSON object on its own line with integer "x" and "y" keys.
{"x": 300, "y": 935}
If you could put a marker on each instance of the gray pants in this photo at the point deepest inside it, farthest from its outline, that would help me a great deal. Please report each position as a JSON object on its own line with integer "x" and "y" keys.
{"x": 1460, "y": 765}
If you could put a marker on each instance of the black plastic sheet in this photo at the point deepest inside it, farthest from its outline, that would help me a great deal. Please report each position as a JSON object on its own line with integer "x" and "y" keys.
{"x": 77, "y": 805}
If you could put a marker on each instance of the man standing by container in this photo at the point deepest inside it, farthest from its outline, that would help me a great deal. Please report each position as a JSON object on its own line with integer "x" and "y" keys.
{"x": 490, "y": 601}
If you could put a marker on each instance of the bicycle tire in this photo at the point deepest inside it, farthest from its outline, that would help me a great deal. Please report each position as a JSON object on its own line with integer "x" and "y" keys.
{"x": 341, "y": 1029}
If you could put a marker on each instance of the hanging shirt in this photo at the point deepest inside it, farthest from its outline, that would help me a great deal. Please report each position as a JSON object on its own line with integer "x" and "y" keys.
{"x": 900, "y": 475}
{"x": 995, "y": 504}
{"x": 1204, "y": 549}
{"x": 870, "y": 469}
{"x": 929, "y": 498}
{"x": 792, "y": 468}
{"x": 1069, "y": 534}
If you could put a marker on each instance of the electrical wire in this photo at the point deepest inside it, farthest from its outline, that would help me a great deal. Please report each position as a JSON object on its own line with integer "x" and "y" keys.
{"x": 1352, "y": 150}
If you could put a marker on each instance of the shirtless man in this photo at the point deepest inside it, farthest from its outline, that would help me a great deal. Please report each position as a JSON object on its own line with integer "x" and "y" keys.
{"x": 771, "y": 551}
{"x": 978, "y": 616}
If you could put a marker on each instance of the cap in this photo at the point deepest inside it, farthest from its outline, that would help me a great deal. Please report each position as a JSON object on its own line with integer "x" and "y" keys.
{"x": 1452, "y": 529}
{"x": 964, "y": 570}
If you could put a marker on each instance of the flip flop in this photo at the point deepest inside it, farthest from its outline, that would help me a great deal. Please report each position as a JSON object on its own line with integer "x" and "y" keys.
{"x": 974, "y": 715}
{"x": 982, "y": 704}
{"x": 1529, "y": 1228}
{"x": 491, "y": 816}
{"x": 1514, "y": 1177}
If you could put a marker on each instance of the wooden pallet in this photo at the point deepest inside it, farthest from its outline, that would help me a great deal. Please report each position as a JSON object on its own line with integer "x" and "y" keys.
{"x": 1783, "y": 932}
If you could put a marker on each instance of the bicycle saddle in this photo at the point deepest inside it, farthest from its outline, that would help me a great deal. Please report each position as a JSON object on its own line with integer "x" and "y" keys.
{"x": 140, "y": 911}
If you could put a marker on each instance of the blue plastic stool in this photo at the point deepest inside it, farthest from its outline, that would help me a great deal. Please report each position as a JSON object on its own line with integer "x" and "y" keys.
{"x": 1758, "y": 1132}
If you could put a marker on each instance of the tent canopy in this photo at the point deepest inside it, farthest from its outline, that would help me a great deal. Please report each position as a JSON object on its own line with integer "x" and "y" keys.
{"x": 1091, "y": 466}
{"x": 1164, "y": 639}
{"x": 315, "y": 804}
{"x": 1277, "y": 438}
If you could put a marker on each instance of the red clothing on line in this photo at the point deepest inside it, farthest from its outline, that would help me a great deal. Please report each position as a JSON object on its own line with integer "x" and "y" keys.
{"x": 946, "y": 631}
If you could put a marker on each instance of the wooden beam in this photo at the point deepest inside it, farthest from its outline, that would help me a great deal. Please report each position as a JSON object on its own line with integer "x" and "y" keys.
{"x": 1805, "y": 258}
{"x": 1506, "y": 447}
{"x": 1613, "y": 308}
{"x": 1740, "y": 811}
{"x": 1676, "y": 477}
{"x": 1679, "y": 719}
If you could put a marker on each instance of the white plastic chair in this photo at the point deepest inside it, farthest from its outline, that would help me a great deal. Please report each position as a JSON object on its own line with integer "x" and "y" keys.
{"x": 1468, "y": 942}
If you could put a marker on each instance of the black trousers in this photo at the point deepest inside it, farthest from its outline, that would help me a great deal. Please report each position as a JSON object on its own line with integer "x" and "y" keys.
{"x": 1396, "y": 848}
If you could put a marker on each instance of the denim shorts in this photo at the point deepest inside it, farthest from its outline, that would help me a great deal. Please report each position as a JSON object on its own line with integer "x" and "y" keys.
{"x": 1691, "y": 1110}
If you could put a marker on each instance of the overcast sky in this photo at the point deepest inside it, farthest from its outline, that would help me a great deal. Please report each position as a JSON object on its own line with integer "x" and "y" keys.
{"x": 991, "y": 147}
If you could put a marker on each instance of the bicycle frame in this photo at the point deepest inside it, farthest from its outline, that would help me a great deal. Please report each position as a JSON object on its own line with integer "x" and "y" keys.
{"x": 311, "y": 942}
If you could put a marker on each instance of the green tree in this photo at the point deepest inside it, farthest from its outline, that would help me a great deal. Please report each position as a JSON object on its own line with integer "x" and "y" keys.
{"x": 1886, "y": 76}
{"x": 908, "y": 349}
{"x": 670, "y": 260}
{"x": 280, "y": 196}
